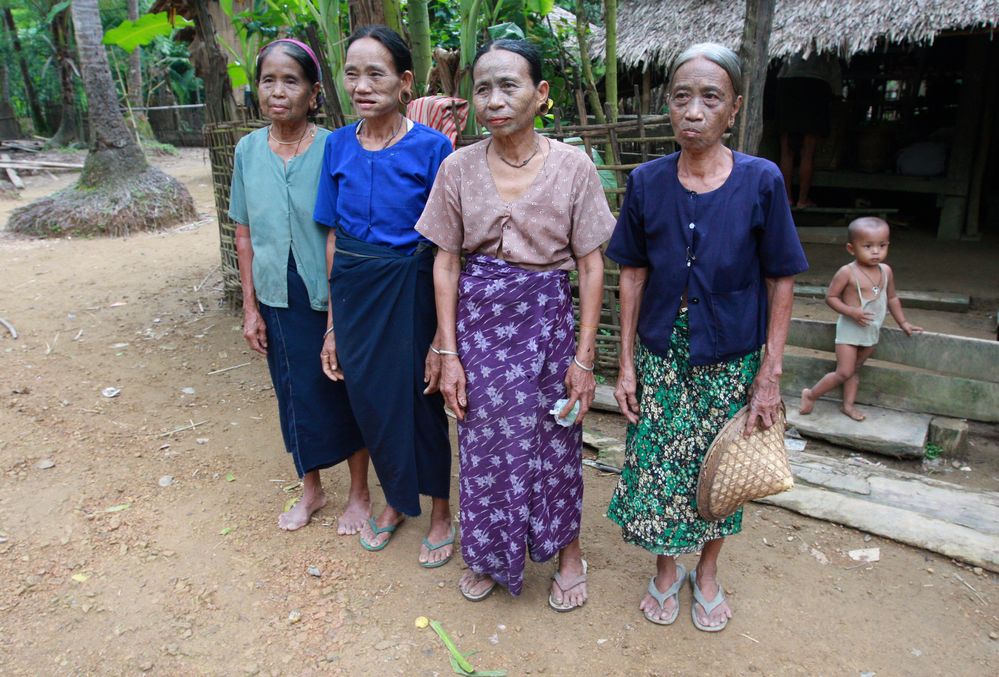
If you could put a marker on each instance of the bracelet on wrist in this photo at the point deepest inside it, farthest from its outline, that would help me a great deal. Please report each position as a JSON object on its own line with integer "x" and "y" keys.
{"x": 327, "y": 332}
{"x": 441, "y": 351}
{"x": 583, "y": 366}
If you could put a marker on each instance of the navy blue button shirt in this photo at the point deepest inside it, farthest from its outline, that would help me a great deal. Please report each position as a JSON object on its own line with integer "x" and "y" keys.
{"x": 378, "y": 195}
{"x": 719, "y": 246}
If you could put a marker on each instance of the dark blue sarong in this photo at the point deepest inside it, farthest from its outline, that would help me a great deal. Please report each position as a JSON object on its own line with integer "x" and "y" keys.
{"x": 385, "y": 318}
{"x": 316, "y": 421}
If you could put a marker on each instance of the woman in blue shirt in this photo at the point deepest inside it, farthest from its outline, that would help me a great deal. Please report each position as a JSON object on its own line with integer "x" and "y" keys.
{"x": 376, "y": 178}
{"x": 708, "y": 252}
{"x": 282, "y": 269}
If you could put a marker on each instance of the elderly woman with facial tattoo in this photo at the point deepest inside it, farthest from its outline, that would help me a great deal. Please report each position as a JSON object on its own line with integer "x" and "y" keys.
{"x": 282, "y": 267}
{"x": 525, "y": 210}
{"x": 375, "y": 180}
{"x": 708, "y": 252}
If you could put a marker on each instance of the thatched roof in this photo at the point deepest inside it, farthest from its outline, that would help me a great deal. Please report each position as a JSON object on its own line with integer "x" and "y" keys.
{"x": 656, "y": 31}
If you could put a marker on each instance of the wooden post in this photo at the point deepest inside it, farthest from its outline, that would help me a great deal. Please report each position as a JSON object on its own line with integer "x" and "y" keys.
{"x": 962, "y": 154}
{"x": 646, "y": 106}
{"x": 754, "y": 54}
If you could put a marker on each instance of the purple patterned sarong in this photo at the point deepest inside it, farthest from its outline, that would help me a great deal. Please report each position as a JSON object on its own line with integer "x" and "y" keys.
{"x": 521, "y": 487}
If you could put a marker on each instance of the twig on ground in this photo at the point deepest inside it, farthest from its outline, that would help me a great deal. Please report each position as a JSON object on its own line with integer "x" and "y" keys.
{"x": 225, "y": 369}
{"x": 9, "y": 327}
{"x": 752, "y": 639}
{"x": 202, "y": 283}
{"x": 190, "y": 426}
{"x": 970, "y": 587}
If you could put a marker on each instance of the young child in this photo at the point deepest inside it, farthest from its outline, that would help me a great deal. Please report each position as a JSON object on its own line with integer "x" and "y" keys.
{"x": 860, "y": 292}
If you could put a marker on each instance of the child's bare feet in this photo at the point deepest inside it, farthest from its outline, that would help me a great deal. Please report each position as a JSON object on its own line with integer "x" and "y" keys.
{"x": 852, "y": 412}
{"x": 807, "y": 402}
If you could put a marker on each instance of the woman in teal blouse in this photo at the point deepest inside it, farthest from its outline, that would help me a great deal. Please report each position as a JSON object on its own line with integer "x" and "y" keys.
{"x": 282, "y": 265}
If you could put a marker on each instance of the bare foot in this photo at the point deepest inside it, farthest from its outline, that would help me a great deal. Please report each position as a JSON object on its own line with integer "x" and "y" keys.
{"x": 853, "y": 413}
{"x": 651, "y": 607}
{"x": 572, "y": 591}
{"x": 301, "y": 512}
{"x": 355, "y": 514}
{"x": 721, "y": 613}
{"x": 475, "y": 586}
{"x": 388, "y": 517}
{"x": 440, "y": 531}
{"x": 807, "y": 402}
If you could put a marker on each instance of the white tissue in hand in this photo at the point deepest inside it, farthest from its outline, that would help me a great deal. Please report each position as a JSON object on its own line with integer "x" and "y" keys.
{"x": 557, "y": 409}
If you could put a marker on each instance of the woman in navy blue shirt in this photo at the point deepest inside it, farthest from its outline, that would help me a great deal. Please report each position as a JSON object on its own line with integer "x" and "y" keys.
{"x": 708, "y": 252}
{"x": 376, "y": 178}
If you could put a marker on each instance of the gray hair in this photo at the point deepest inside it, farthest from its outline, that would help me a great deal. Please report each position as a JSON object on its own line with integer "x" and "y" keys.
{"x": 720, "y": 55}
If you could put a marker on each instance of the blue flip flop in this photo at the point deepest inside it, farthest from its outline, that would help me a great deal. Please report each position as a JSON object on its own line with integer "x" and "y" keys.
{"x": 437, "y": 546}
{"x": 379, "y": 530}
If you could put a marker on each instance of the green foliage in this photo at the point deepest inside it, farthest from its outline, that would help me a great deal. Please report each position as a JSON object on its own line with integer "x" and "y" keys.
{"x": 932, "y": 451}
{"x": 131, "y": 34}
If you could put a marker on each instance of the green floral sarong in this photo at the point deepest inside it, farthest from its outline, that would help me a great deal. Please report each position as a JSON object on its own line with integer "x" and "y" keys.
{"x": 682, "y": 409}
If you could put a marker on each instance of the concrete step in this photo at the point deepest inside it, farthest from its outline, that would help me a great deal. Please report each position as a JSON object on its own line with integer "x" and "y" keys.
{"x": 927, "y": 300}
{"x": 885, "y": 431}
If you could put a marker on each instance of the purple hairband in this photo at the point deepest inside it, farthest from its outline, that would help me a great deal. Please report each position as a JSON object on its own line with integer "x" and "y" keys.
{"x": 305, "y": 48}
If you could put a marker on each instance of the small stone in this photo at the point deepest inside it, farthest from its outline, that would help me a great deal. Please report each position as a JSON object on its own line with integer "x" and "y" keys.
{"x": 251, "y": 669}
{"x": 202, "y": 440}
{"x": 440, "y": 584}
{"x": 314, "y": 571}
{"x": 110, "y": 392}
{"x": 867, "y": 538}
{"x": 114, "y": 523}
{"x": 978, "y": 571}
{"x": 166, "y": 481}
{"x": 384, "y": 645}
{"x": 994, "y": 635}
{"x": 187, "y": 391}
{"x": 929, "y": 570}
{"x": 45, "y": 464}
{"x": 294, "y": 617}
{"x": 601, "y": 642}
{"x": 146, "y": 666}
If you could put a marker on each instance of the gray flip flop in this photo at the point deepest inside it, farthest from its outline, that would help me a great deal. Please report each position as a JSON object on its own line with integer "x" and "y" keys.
{"x": 566, "y": 586}
{"x": 707, "y": 605}
{"x": 661, "y": 597}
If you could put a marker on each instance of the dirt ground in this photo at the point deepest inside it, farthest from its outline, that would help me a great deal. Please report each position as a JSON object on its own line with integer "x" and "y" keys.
{"x": 105, "y": 571}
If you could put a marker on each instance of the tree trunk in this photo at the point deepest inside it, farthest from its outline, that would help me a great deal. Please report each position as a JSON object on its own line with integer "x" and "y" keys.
{"x": 610, "y": 78}
{"x": 113, "y": 149}
{"x": 755, "y": 57}
{"x": 366, "y": 12}
{"x": 118, "y": 191}
{"x": 134, "y": 63}
{"x": 67, "y": 132}
{"x": 419, "y": 40}
{"x": 29, "y": 88}
{"x": 582, "y": 38}
{"x": 211, "y": 66}
{"x": 393, "y": 16}
{"x": 9, "y": 126}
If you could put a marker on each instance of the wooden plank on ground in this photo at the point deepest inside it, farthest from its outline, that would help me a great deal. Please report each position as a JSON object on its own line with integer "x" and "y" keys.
{"x": 12, "y": 173}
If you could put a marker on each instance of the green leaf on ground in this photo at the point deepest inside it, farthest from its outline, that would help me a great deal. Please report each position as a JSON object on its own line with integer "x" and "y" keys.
{"x": 119, "y": 507}
{"x": 226, "y": 531}
{"x": 229, "y": 477}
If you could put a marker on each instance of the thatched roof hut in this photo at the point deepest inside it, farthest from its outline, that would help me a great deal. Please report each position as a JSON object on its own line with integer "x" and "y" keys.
{"x": 656, "y": 31}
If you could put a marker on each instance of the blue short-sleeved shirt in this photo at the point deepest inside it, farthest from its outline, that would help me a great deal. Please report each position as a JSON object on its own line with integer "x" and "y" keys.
{"x": 718, "y": 245}
{"x": 275, "y": 200}
{"x": 378, "y": 196}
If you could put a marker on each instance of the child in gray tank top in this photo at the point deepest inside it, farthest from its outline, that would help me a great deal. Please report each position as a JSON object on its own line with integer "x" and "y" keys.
{"x": 861, "y": 292}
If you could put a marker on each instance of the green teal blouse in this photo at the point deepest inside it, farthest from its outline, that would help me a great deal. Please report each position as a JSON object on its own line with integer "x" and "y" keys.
{"x": 276, "y": 200}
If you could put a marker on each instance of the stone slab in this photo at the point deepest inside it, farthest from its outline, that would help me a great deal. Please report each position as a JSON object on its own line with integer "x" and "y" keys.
{"x": 971, "y": 358}
{"x": 950, "y": 434}
{"x": 888, "y": 432}
{"x": 822, "y": 234}
{"x": 905, "y": 390}
{"x": 927, "y": 300}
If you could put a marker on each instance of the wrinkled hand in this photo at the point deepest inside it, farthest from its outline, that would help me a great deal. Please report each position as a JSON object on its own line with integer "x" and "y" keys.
{"x": 861, "y": 317}
{"x": 432, "y": 372}
{"x": 581, "y": 386}
{"x": 626, "y": 394}
{"x": 911, "y": 329}
{"x": 328, "y": 358}
{"x": 452, "y": 385}
{"x": 764, "y": 403}
{"x": 255, "y": 330}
